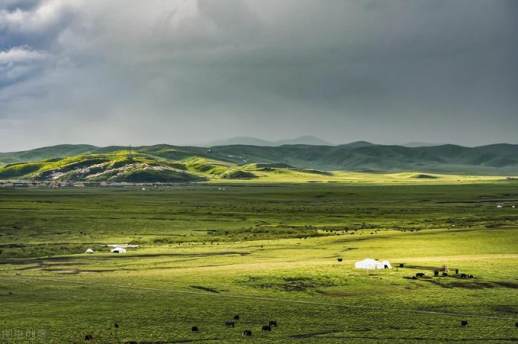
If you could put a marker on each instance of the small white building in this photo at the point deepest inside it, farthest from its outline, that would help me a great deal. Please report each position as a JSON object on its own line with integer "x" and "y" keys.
{"x": 89, "y": 251}
{"x": 118, "y": 249}
{"x": 372, "y": 264}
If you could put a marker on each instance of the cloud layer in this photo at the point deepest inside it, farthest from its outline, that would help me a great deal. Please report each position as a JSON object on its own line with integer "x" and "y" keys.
{"x": 187, "y": 71}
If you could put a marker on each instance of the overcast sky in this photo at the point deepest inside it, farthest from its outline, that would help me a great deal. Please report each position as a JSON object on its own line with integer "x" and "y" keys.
{"x": 185, "y": 71}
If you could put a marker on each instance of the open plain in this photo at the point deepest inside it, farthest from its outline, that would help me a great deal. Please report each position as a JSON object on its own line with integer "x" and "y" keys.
{"x": 202, "y": 254}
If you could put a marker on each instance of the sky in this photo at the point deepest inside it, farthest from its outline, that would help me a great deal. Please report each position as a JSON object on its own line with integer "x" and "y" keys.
{"x": 181, "y": 72}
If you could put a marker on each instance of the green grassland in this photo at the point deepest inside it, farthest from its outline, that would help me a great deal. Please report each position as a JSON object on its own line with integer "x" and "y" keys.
{"x": 263, "y": 251}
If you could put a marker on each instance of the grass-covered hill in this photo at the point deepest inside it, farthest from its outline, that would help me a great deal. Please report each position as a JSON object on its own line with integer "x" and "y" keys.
{"x": 167, "y": 163}
{"x": 123, "y": 166}
{"x": 114, "y": 167}
{"x": 362, "y": 156}
{"x": 138, "y": 167}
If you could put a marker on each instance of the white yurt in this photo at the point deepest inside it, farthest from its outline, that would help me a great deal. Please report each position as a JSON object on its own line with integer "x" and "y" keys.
{"x": 118, "y": 249}
{"x": 372, "y": 264}
{"x": 89, "y": 251}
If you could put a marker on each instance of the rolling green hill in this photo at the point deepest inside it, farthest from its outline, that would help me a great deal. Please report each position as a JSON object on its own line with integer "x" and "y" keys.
{"x": 169, "y": 163}
{"x": 46, "y": 153}
{"x": 113, "y": 167}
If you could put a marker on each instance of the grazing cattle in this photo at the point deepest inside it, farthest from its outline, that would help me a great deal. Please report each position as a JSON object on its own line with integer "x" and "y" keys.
{"x": 230, "y": 323}
{"x": 273, "y": 323}
{"x": 116, "y": 325}
{"x": 266, "y": 328}
{"x": 236, "y": 317}
{"x": 463, "y": 276}
{"x": 436, "y": 273}
{"x": 339, "y": 259}
{"x": 89, "y": 337}
{"x": 195, "y": 329}
{"x": 445, "y": 274}
{"x": 470, "y": 276}
{"x": 463, "y": 323}
{"x": 419, "y": 274}
{"x": 401, "y": 265}
{"x": 247, "y": 333}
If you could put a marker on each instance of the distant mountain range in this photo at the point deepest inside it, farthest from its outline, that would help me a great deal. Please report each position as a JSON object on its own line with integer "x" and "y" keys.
{"x": 189, "y": 163}
{"x": 253, "y": 141}
{"x": 301, "y": 140}
{"x": 422, "y": 144}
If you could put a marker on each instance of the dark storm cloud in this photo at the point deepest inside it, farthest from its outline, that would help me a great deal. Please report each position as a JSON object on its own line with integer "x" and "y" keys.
{"x": 190, "y": 71}
{"x": 12, "y": 5}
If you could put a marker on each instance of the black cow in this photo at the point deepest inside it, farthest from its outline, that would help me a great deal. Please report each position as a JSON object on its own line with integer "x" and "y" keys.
{"x": 419, "y": 274}
{"x": 266, "y": 328}
{"x": 273, "y": 323}
{"x": 89, "y": 337}
{"x": 195, "y": 329}
{"x": 247, "y": 333}
{"x": 339, "y": 259}
{"x": 463, "y": 323}
{"x": 236, "y": 317}
{"x": 230, "y": 323}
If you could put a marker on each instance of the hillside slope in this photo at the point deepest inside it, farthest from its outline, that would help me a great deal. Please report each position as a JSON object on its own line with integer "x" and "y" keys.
{"x": 498, "y": 159}
{"x": 46, "y": 153}
{"x": 362, "y": 156}
{"x": 137, "y": 167}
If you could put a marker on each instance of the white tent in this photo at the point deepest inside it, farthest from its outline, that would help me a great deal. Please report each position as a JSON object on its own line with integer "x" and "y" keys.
{"x": 118, "y": 249}
{"x": 372, "y": 264}
{"x": 89, "y": 250}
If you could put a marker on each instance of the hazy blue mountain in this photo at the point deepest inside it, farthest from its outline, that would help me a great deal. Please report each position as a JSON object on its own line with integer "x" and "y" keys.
{"x": 253, "y": 141}
{"x": 241, "y": 140}
{"x": 304, "y": 140}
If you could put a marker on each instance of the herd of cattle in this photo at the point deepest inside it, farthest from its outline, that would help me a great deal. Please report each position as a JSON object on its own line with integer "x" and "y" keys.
{"x": 246, "y": 333}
